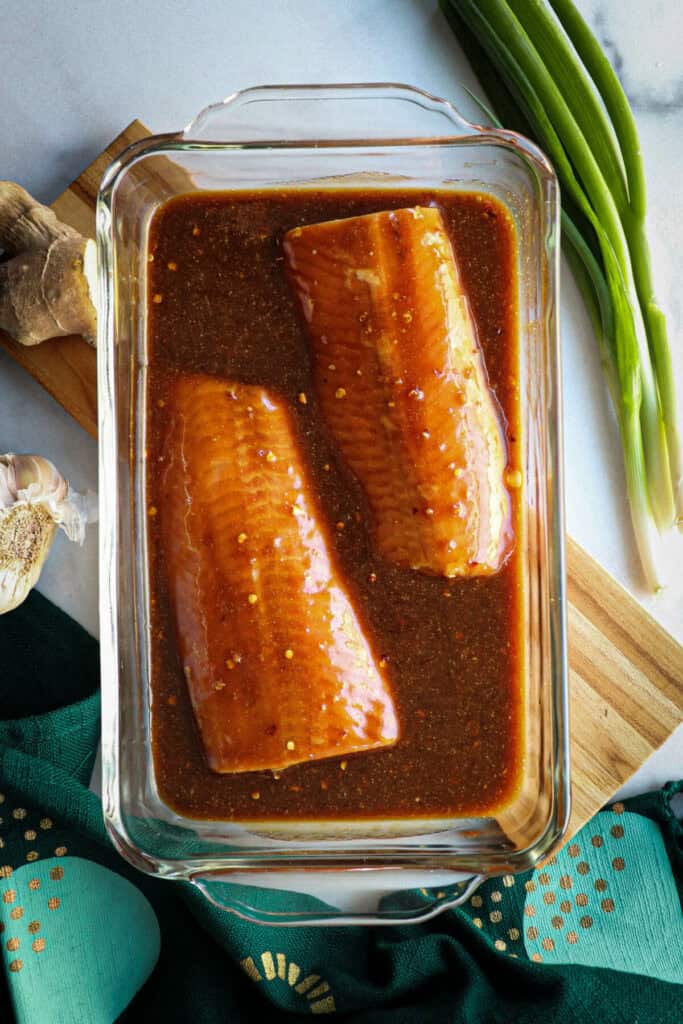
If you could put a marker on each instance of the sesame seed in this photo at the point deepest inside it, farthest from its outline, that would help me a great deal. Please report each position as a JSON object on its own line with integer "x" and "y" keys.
{"x": 331, "y": 367}
{"x": 256, "y": 796}
{"x": 372, "y": 578}
{"x": 290, "y": 745}
{"x": 340, "y": 393}
{"x": 152, "y": 510}
{"x": 426, "y": 435}
{"x": 429, "y": 511}
{"x": 195, "y": 231}
{"x": 344, "y": 765}
{"x": 252, "y": 599}
{"x": 158, "y": 298}
{"x": 340, "y": 525}
{"x": 513, "y": 478}
{"x": 230, "y": 663}
{"x": 326, "y": 467}
{"x": 302, "y": 398}
{"x": 359, "y": 373}
{"x": 171, "y": 265}
{"x": 417, "y": 394}
{"x": 241, "y": 537}
{"x": 271, "y": 457}
{"x": 382, "y": 662}
{"x": 289, "y": 654}
{"x": 391, "y": 404}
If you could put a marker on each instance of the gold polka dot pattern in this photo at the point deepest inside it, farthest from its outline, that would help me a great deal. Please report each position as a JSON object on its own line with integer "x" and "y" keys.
{"x": 548, "y": 898}
{"x": 476, "y": 901}
{"x": 496, "y": 896}
{"x": 16, "y": 913}
{"x": 513, "y": 933}
{"x": 572, "y": 938}
{"x": 477, "y": 921}
{"x": 530, "y": 911}
{"x": 19, "y": 813}
{"x": 34, "y": 884}
{"x": 532, "y": 933}
{"x": 586, "y": 921}
{"x": 34, "y": 927}
{"x": 46, "y": 823}
{"x": 617, "y": 831}
{"x": 508, "y": 881}
{"x": 583, "y": 867}
{"x": 38, "y": 945}
{"x": 13, "y": 945}
{"x": 499, "y": 944}
{"x": 607, "y": 906}
{"x": 60, "y": 851}
{"x": 565, "y": 906}
{"x": 32, "y": 855}
{"x": 537, "y": 958}
{"x": 581, "y": 900}
{"x": 557, "y": 921}
{"x": 596, "y": 841}
{"x": 53, "y": 903}
{"x": 618, "y": 863}
{"x": 495, "y": 916}
{"x": 565, "y": 882}
{"x": 600, "y": 884}
{"x": 56, "y": 874}
{"x": 548, "y": 944}
{"x": 9, "y": 896}
{"x": 30, "y": 834}
{"x": 573, "y": 850}
{"x": 618, "y": 808}
{"x": 16, "y": 965}
{"x": 544, "y": 878}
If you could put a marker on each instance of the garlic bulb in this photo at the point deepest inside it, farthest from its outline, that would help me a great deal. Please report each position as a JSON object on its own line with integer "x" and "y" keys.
{"x": 34, "y": 500}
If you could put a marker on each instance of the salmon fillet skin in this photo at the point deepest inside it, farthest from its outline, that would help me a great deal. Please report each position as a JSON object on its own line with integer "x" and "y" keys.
{"x": 403, "y": 388}
{"x": 277, "y": 663}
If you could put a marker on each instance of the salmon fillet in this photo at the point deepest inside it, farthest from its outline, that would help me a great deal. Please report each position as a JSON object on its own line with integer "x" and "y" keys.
{"x": 277, "y": 664}
{"x": 402, "y": 385}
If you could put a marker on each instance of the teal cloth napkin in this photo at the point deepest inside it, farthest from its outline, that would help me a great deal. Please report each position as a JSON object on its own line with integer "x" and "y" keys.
{"x": 595, "y": 934}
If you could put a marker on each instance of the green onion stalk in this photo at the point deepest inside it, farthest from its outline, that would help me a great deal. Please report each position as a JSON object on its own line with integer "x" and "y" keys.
{"x": 547, "y": 77}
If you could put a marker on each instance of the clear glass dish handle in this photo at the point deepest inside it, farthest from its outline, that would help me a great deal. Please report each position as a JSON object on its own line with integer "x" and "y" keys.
{"x": 299, "y": 113}
{"x": 376, "y": 904}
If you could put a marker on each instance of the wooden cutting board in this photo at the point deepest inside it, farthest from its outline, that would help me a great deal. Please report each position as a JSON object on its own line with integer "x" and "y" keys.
{"x": 626, "y": 672}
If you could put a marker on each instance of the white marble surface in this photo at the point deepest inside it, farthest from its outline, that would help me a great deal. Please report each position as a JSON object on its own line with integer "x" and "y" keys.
{"x": 75, "y": 74}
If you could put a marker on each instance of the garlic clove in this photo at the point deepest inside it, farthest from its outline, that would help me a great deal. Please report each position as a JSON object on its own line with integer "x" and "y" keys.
{"x": 35, "y": 499}
{"x": 26, "y": 535}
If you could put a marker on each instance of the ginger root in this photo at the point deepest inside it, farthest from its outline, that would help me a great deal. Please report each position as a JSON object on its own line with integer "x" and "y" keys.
{"x": 48, "y": 281}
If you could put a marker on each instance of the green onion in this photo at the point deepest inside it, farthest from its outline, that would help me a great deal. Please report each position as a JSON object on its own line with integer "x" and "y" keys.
{"x": 530, "y": 70}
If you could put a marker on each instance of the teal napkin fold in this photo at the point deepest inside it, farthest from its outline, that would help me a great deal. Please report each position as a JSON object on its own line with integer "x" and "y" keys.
{"x": 595, "y": 934}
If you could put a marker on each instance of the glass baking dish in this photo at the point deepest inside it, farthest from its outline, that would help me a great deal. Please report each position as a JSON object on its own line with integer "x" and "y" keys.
{"x": 337, "y": 136}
